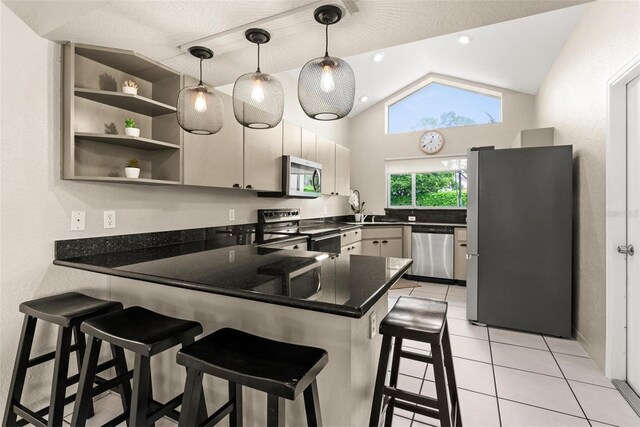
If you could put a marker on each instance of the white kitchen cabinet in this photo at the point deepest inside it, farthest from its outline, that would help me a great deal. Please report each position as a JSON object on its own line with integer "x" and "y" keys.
{"x": 460, "y": 255}
{"x": 216, "y": 160}
{"x": 263, "y": 159}
{"x": 382, "y": 241}
{"x": 391, "y": 248}
{"x": 351, "y": 241}
{"x": 352, "y": 249}
{"x": 343, "y": 170}
{"x": 326, "y": 155}
{"x": 292, "y": 139}
{"x": 370, "y": 247}
{"x": 308, "y": 145}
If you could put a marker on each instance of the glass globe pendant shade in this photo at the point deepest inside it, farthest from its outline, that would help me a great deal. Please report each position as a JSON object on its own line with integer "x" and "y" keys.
{"x": 327, "y": 85}
{"x": 199, "y": 110}
{"x": 326, "y": 88}
{"x": 258, "y": 98}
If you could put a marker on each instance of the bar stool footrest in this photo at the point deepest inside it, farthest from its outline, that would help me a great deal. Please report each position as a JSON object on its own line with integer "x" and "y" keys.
{"x": 30, "y": 416}
{"x": 163, "y": 409}
{"x": 416, "y": 356}
{"x": 410, "y": 397}
{"x": 117, "y": 420}
{"x": 431, "y": 413}
{"x": 219, "y": 414}
{"x": 48, "y": 356}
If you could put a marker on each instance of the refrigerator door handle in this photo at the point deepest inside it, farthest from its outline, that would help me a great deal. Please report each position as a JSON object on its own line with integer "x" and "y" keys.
{"x": 469, "y": 256}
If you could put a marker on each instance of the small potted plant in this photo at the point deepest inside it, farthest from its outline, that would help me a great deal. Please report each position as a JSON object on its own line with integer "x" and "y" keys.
{"x": 357, "y": 207}
{"x": 129, "y": 86}
{"x": 132, "y": 170}
{"x": 130, "y": 128}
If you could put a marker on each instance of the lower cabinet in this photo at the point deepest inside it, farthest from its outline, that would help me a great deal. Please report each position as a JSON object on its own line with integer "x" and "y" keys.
{"x": 382, "y": 241}
{"x": 352, "y": 249}
{"x": 460, "y": 254}
{"x": 351, "y": 242}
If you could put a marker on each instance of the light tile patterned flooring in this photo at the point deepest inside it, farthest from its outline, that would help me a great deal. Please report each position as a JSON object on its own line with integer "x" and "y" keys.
{"x": 512, "y": 379}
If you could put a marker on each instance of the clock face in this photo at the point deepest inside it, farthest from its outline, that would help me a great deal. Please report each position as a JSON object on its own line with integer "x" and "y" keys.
{"x": 431, "y": 142}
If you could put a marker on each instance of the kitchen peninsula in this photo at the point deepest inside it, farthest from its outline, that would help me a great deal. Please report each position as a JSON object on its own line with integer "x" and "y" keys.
{"x": 219, "y": 279}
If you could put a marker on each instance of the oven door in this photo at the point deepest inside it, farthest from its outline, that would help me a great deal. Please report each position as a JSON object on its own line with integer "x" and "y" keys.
{"x": 303, "y": 178}
{"x": 329, "y": 243}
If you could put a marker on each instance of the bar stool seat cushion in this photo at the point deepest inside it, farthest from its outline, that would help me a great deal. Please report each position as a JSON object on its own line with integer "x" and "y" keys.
{"x": 415, "y": 318}
{"x": 274, "y": 367}
{"x": 68, "y": 309}
{"x": 140, "y": 330}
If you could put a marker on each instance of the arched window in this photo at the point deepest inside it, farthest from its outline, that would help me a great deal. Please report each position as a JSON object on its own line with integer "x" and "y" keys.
{"x": 436, "y": 104}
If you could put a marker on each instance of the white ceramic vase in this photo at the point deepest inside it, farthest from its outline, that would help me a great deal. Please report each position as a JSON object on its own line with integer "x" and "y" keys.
{"x": 130, "y": 90}
{"x": 358, "y": 217}
{"x": 132, "y": 172}
{"x": 132, "y": 131}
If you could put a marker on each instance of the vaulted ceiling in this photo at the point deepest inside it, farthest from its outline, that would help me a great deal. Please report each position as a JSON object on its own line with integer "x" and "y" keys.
{"x": 163, "y": 30}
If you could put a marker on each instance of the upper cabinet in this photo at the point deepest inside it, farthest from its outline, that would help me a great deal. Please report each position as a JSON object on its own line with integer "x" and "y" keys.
{"x": 215, "y": 160}
{"x": 263, "y": 159}
{"x": 308, "y": 145}
{"x": 96, "y": 147}
{"x": 343, "y": 171}
{"x": 326, "y": 155}
{"x": 291, "y": 139}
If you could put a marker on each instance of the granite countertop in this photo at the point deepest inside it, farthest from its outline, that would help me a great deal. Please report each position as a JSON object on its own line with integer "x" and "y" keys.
{"x": 349, "y": 285}
{"x": 402, "y": 223}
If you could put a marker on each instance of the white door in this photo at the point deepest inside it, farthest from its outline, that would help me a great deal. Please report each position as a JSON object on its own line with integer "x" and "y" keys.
{"x": 633, "y": 234}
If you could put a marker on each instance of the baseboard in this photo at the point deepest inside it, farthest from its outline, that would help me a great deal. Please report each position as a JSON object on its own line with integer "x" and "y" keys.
{"x": 588, "y": 348}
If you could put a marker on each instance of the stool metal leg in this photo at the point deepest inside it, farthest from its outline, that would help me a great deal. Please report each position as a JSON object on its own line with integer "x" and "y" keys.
{"x": 275, "y": 411}
{"x": 235, "y": 396}
{"x": 140, "y": 398}
{"x": 85, "y": 385}
{"x": 191, "y": 399}
{"x": 380, "y": 378}
{"x": 393, "y": 379}
{"x": 451, "y": 376}
{"x": 60, "y": 374}
{"x": 19, "y": 370}
{"x": 124, "y": 388}
{"x": 78, "y": 338}
{"x": 441, "y": 386}
{"x": 312, "y": 405}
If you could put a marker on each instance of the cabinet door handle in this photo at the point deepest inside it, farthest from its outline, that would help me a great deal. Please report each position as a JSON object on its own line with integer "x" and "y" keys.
{"x": 353, "y": 247}
{"x": 249, "y": 186}
{"x": 348, "y": 249}
{"x": 296, "y": 247}
{"x": 356, "y": 232}
{"x": 344, "y": 235}
{"x": 332, "y": 193}
{"x": 463, "y": 245}
{"x": 337, "y": 194}
{"x": 375, "y": 242}
{"x": 384, "y": 241}
{"x": 237, "y": 186}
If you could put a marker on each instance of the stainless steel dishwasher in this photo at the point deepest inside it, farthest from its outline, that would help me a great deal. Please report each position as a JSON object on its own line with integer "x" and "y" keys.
{"x": 432, "y": 251}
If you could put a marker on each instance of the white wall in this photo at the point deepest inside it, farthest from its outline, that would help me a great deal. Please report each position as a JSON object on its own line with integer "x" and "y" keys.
{"x": 36, "y": 204}
{"x": 370, "y": 145}
{"x": 572, "y": 98}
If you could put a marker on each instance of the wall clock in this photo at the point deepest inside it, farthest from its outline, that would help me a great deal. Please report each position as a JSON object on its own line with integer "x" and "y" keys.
{"x": 431, "y": 142}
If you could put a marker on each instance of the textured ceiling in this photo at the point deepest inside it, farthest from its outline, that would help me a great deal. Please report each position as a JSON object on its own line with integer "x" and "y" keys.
{"x": 157, "y": 28}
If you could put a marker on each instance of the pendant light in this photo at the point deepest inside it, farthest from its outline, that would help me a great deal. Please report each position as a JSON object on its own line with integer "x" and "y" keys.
{"x": 326, "y": 86}
{"x": 199, "y": 110}
{"x": 258, "y": 98}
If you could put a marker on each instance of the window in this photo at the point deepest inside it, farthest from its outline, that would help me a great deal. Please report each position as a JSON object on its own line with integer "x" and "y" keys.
{"x": 438, "y": 105}
{"x": 435, "y": 183}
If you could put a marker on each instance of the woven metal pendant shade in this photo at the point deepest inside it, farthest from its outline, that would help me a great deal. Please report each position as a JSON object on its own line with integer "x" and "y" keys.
{"x": 199, "y": 110}
{"x": 258, "y": 98}
{"x": 326, "y": 88}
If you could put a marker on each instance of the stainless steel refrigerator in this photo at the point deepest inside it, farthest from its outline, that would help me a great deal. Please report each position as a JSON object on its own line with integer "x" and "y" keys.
{"x": 519, "y": 241}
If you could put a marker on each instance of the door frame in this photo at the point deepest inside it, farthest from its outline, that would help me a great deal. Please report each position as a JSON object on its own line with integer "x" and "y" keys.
{"x": 616, "y": 220}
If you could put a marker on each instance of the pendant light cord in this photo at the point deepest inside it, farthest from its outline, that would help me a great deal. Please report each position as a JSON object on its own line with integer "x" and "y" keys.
{"x": 200, "y": 84}
{"x": 258, "y": 70}
{"x": 326, "y": 42}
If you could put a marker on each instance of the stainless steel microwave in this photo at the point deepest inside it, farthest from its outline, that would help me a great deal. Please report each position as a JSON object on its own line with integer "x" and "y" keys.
{"x": 300, "y": 177}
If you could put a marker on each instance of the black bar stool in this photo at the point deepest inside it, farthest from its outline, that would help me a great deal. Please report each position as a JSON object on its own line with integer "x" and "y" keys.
{"x": 425, "y": 320}
{"x": 68, "y": 311}
{"x": 279, "y": 369}
{"x": 145, "y": 333}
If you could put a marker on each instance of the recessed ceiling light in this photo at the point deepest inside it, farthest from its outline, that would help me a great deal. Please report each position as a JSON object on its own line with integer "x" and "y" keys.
{"x": 464, "y": 39}
{"x": 378, "y": 57}
{"x": 364, "y": 98}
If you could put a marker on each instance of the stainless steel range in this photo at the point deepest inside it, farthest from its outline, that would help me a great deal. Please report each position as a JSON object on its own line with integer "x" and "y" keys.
{"x": 275, "y": 224}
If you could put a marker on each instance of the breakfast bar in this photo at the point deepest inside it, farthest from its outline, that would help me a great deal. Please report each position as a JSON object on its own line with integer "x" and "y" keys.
{"x": 308, "y": 298}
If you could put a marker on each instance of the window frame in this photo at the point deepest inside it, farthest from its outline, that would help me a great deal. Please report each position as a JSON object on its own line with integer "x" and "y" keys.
{"x": 443, "y": 81}
{"x": 413, "y": 205}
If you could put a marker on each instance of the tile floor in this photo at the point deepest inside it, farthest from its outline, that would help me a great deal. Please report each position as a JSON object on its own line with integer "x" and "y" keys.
{"x": 505, "y": 378}
{"x": 512, "y": 379}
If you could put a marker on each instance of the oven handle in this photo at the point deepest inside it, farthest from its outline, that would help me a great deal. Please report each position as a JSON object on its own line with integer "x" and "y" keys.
{"x": 329, "y": 236}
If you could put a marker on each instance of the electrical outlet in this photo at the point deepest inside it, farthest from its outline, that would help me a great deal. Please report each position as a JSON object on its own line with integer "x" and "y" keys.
{"x": 109, "y": 219}
{"x": 77, "y": 220}
{"x": 232, "y": 256}
{"x": 373, "y": 325}
{"x": 232, "y": 214}
{"x": 412, "y": 218}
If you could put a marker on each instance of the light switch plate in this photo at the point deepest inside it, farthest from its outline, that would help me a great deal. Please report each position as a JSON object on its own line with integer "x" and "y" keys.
{"x": 373, "y": 325}
{"x": 232, "y": 214}
{"x": 109, "y": 219}
{"x": 77, "y": 220}
{"x": 232, "y": 256}
{"x": 412, "y": 218}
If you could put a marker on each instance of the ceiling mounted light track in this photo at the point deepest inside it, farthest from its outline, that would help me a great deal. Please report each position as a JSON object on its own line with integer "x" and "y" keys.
{"x": 199, "y": 110}
{"x": 258, "y": 98}
{"x": 327, "y": 85}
